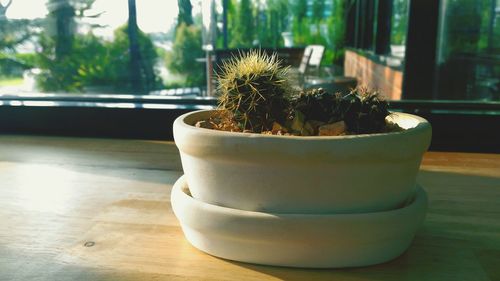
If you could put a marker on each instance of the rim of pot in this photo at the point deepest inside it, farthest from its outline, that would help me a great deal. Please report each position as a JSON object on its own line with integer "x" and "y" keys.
{"x": 421, "y": 125}
{"x": 202, "y": 142}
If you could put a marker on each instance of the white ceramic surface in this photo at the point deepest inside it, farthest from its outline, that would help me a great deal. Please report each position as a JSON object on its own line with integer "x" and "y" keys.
{"x": 290, "y": 174}
{"x": 319, "y": 241}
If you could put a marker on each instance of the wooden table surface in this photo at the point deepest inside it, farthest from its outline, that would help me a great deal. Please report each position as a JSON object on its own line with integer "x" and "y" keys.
{"x": 98, "y": 209}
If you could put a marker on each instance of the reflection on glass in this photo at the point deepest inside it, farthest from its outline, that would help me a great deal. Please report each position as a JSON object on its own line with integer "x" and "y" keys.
{"x": 469, "y": 50}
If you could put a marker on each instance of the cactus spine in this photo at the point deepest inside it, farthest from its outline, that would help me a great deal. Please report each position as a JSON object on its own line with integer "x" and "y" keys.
{"x": 253, "y": 90}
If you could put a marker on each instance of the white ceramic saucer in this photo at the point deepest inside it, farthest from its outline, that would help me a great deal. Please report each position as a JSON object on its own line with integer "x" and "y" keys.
{"x": 298, "y": 240}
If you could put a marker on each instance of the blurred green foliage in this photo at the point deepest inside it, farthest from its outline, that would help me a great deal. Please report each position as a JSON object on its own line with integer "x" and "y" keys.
{"x": 70, "y": 61}
{"x": 323, "y": 25}
{"x": 242, "y": 33}
{"x": 262, "y": 23}
{"x": 274, "y": 20}
{"x": 95, "y": 62}
{"x": 399, "y": 21}
{"x": 185, "y": 50}
{"x": 466, "y": 27}
{"x": 13, "y": 33}
{"x": 337, "y": 33}
{"x": 185, "y": 12}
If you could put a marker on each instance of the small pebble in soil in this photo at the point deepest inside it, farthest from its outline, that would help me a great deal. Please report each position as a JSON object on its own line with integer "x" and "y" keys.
{"x": 333, "y": 129}
{"x": 204, "y": 124}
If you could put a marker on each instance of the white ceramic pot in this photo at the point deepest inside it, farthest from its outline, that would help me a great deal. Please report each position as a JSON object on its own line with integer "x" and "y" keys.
{"x": 291, "y": 174}
{"x": 298, "y": 240}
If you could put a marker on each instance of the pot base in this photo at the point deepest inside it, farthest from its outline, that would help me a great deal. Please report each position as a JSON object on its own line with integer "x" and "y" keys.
{"x": 298, "y": 240}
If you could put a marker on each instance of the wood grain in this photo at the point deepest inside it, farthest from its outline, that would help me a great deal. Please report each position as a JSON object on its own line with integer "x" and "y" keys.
{"x": 98, "y": 209}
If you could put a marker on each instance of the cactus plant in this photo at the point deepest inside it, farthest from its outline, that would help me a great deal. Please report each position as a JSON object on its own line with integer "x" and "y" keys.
{"x": 363, "y": 111}
{"x": 253, "y": 89}
{"x": 317, "y": 104}
{"x": 255, "y": 96}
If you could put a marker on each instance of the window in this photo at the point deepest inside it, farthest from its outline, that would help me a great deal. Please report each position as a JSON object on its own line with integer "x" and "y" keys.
{"x": 377, "y": 40}
{"x": 141, "y": 47}
{"x": 101, "y": 47}
{"x": 453, "y": 55}
{"x": 101, "y": 77}
{"x": 399, "y": 25}
{"x": 468, "y": 53}
{"x": 438, "y": 59}
{"x": 361, "y": 24}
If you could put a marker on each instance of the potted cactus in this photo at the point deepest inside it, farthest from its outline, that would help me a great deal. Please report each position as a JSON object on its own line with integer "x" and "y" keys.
{"x": 270, "y": 150}
{"x": 262, "y": 149}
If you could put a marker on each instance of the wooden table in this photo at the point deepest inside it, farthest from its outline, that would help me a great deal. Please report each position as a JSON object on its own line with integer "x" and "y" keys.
{"x": 98, "y": 209}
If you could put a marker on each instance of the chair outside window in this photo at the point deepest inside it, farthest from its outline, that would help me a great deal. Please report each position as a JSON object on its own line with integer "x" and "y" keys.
{"x": 315, "y": 58}
{"x": 312, "y": 75}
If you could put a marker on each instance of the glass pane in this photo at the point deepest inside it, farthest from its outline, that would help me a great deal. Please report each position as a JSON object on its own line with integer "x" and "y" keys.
{"x": 287, "y": 28}
{"x": 399, "y": 26}
{"x": 168, "y": 47}
{"x": 469, "y": 50}
{"x": 379, "y": 64}
{"x": 101, "y": 46}
{"x": 156, "y": 47}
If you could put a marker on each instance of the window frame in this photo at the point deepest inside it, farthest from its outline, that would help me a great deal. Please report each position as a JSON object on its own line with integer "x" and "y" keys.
{"x": 455, "y": 124}
{"x": 374, "y": 44}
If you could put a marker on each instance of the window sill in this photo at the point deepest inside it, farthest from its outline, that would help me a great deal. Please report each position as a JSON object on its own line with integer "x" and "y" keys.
{"x": 103, "y": 100}
{"x": 120, "y": 116}
{"x": 457, "y": 126}
{"x": 394, "y": 62}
